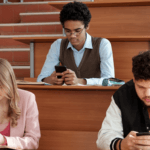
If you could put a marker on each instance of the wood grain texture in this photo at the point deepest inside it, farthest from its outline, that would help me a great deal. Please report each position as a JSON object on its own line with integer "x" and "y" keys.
{"x": 71, "y": 109}
{"x": 123, "y": 53}
{"x": 30, "y": 79}
{"x": 41, "y": 51}
{"x": 59, "y": 87}
{"x": 70, "y": 118}
{"x": 106, "y": 3}
{"x": 120, "y": 21}
{"x": 68, "y": 140}
{"x": 37, "y": 39}
{"x": 111, "y": 38}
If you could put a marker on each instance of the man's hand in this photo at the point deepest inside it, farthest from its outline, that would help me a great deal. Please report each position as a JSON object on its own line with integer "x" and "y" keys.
{"x": 71, "y": 78}
{"x": 128, "y": 142}
{"x": 142, "y": 142}
{"x": 54, "y": 80}
{"x": 133, "y": 142}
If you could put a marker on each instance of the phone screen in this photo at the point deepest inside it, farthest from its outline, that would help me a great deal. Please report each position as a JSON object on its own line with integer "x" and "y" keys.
{"x": 142, "y": 133}
{"x": 60, "y": 69}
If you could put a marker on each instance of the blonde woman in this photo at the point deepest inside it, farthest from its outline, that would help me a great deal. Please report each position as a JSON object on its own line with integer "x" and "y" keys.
{"x": 19, "y": 123}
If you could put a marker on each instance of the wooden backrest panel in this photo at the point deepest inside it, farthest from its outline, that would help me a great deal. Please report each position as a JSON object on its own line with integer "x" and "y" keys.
{"x": 72, "y": 110}
{"x": 106, "y": 3}
{"x": 123, "y": 53}
{"x": 120, "y": 21}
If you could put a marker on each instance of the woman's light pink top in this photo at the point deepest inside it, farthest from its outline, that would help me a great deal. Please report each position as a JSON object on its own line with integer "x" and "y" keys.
{"x": 26, "y": 134}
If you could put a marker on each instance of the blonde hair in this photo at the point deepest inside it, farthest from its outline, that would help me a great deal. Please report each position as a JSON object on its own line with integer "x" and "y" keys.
{"x": 9, "y": 86}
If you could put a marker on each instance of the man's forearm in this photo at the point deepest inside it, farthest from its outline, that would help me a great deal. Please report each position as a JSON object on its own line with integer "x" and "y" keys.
{"x": 47, "y": 80}
{"x": 82, "y": 81}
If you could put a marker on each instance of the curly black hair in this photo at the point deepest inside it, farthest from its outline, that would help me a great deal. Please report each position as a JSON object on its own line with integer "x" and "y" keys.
{"x": 75, "y": 11}
{"x": 141, "y": 66}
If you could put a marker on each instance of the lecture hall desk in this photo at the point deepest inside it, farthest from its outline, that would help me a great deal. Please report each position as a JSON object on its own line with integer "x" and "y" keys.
{"x": 70, "y": 116}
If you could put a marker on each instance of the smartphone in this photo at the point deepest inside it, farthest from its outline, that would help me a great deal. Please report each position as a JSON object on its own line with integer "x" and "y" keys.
{"x": 60, "y": 69}
{"x": 142, "y": 133}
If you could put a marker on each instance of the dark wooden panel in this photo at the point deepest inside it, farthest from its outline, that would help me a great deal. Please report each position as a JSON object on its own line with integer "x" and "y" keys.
{"x": 67, "y": 140}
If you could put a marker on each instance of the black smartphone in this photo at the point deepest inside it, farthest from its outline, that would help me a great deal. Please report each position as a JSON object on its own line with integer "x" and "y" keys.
{"x": 142, "y": 133}
{"x": 60, "y": 69}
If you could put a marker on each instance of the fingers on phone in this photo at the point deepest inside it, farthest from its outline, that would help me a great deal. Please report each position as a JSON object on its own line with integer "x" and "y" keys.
{"x": 59, "y": 74}
{"x": 59, "y": 81}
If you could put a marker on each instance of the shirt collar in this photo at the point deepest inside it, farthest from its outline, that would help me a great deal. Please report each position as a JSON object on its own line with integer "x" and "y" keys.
{"x": 87, "y": 44}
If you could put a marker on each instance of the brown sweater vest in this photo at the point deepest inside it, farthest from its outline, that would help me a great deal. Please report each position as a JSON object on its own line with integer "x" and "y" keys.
{"x": 90, "y": 64}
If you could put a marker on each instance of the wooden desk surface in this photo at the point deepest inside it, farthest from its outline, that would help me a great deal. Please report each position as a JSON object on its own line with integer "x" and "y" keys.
{"x": 57, "y": 87}
{"x": 36, "y": 39}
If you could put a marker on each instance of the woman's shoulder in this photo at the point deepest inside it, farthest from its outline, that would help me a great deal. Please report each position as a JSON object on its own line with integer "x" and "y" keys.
{"x": 26, "y": 96}
{"x": 24, "y": 92}
{"x": 27, "y": 104}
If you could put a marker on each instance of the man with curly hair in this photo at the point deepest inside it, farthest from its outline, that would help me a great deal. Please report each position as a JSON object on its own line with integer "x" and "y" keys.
{"x": 88, "y": 60}
{"x": 129, "y": 111}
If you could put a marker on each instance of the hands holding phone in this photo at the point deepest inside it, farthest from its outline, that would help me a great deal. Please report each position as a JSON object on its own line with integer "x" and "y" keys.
{"x": 53, "y": 79}
{"x": 135, "y": 141}
{"x": 70, "y": 77}
{"x": 63, "y": 75}
{"x": 56, "y": 78}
